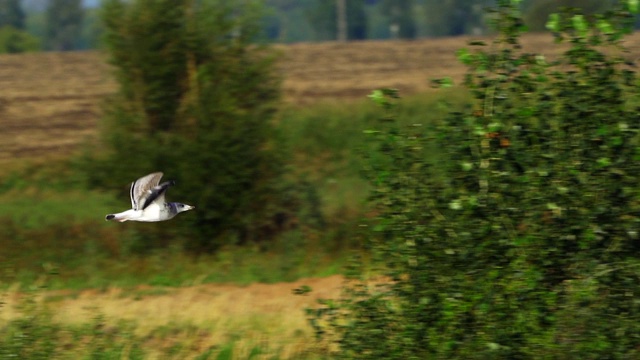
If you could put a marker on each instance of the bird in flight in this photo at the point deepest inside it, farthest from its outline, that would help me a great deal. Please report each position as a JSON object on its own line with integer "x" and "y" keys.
{"x": 147, "y": 201}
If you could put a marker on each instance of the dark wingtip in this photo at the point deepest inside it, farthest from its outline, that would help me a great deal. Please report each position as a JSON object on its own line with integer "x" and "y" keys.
{"x": 109, "y": 217}
{"x": 172, "y": 182}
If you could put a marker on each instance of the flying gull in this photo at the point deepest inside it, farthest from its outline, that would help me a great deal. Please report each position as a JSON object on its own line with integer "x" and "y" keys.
{"x": 147, "y": 201}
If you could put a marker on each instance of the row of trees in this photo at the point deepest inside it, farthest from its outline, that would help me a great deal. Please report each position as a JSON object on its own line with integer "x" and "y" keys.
{"x": 58, "y": 28}
{"x": 305, "y": 20}
{"x": 62, "y": 25}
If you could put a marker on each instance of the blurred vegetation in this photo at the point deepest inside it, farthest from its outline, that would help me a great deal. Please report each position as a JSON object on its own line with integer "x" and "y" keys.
{"x": 456, "y": 17}
{"x": 12, "y": 14}
{"x": 289, "y": 21}
{"x": 13, "y": 37}
{"x": 13, "y": 41}
{"x": 524, "y": 245}
{"x": 537, "y": 13}
{"x": 322, "y": 17}
{"x": 63, "y": 24}
{"x": 67, "y": 230}
{"x": 401, "y": 18}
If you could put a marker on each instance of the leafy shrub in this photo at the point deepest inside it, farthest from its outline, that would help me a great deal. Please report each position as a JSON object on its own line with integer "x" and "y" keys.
{"x": 14, "y": 41}
{"x": 520, "y": 241}
{"x": 537, "y": 14}
{"x": 195, "y": 99}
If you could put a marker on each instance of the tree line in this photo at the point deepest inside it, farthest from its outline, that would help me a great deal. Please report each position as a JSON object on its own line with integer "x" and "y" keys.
{"x": 62, "y": 25}
{"x": 317, "y": 20}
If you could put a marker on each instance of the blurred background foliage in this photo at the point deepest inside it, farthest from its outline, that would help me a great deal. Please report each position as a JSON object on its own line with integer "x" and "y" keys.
{"x": 62, "y": 25}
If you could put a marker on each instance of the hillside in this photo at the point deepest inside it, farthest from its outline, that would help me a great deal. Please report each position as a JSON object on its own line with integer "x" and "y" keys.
{"x": 50, "y": 102}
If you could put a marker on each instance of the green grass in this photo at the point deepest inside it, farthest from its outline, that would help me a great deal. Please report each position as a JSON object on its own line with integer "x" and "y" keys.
{"x": 328, "y": 143}
{"x": 49, "y": 220}
{"x": 35, "y": 208}
{"x": 169, "y": 269}
{"x": 332, "y": 134}
{"x": 52, "y": 232}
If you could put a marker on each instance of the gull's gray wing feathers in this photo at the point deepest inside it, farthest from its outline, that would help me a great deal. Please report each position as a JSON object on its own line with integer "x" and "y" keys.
{"x": 157, "y": 194}
{"x": 142, "y": 188}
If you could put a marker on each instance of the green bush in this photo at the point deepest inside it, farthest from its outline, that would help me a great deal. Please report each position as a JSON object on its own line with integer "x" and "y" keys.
{"x": 14, "y": 41}
{"x": 195, "y": 99}
{"x": 519, "y": 238}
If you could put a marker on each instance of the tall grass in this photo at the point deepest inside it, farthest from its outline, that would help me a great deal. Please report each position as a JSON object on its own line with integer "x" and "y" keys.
{"x": 206, "y": 322}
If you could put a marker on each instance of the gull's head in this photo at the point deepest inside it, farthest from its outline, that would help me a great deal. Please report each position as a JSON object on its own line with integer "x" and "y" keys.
{"x": 183, "y": 207}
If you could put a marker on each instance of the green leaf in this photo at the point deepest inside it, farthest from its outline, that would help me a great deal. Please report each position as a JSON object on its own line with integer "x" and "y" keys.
{"x": 464, "y": 56}
{"x": 377, "y": 96}
{"x": 473, "y": 201}
{"x": 580, "y": 25}
{"x": 302, "y": 290}
{"x": 604, "y": 26}
{"x": 617, "y": 141}
{"x": 633, "y": 6}
{"x": 479, "y": 130}
{"x": 554, "y": 23}
{"x": 495, "y": 126}
{"x": 602, "y": 131}
{"x": 446, "y": 82}
{"x": 455, "y": 205}
{"x": 541, "y": 60}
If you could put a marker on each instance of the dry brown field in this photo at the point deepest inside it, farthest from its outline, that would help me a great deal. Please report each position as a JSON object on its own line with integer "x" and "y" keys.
{"x": 198, "y": 317}
{"x": 51, "y": 102}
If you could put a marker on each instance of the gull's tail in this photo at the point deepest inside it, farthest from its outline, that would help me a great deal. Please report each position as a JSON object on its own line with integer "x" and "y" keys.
{"x": 121, "y": 217}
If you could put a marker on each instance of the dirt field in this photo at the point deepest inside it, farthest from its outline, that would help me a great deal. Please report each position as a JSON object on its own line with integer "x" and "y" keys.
{"x": 50, "y": 102}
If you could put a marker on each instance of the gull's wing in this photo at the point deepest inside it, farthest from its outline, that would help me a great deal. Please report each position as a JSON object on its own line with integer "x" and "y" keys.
{"x": 157, "y": 194}
{"x": 142, "y": 188}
